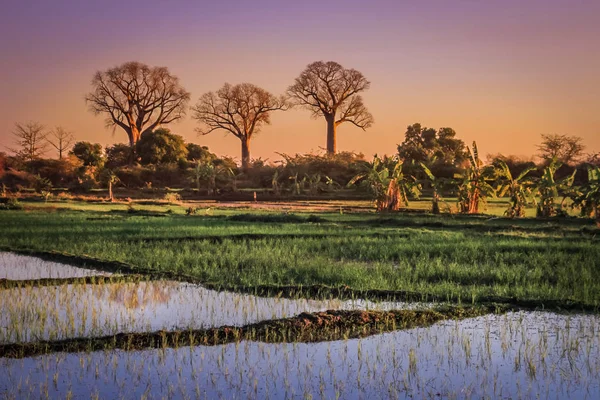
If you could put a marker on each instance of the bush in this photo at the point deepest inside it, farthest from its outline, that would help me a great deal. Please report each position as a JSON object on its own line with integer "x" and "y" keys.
{"x": 10, "y": 203}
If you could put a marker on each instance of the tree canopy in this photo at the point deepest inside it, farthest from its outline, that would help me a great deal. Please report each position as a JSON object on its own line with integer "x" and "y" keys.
{"x": 240, "y": 109}
{"x": 90, "y": 154}
{"x": 327, "y": 89}
{"x": 160, "y": 146}
{"x": 563, "y": 148}
{"x": 137, "y": 98}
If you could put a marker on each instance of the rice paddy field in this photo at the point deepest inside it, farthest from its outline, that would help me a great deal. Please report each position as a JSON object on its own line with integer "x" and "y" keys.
{"x": 321, "y": 300}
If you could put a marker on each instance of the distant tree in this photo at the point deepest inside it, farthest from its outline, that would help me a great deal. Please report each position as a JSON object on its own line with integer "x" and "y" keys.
{"x": 137, "y": 98}
{"x": 61, "y": 140}
{"x": 31, "y": 140}
{"x": 160, "y": 146}
{"x": 90, "y": 154}
{"x": 241, "y": 110}
{"x": 118, "y": 155}
{"x": 197, "y": 152}
{"x": 422, "y": 144}
{"x": 562, "y": 148}
{"x": 329, "y": 90}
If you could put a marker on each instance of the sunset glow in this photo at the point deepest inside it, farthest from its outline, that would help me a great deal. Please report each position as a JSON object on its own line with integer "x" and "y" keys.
{"x": 498, "y": 72}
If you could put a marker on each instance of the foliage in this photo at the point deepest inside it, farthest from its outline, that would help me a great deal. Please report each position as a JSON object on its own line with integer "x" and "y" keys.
{"x": 519, "y": 189}
{"x": 474, "y": 184}
{"x": 549, "y": 188}
{"x": 90, "y": 154}
{"x": 199, "y": 153}
{"x": 160, "y": 146}
{"x": 587, "y": 197}
{"x": 387, "y": 183}
{"x": 331, "y": 91}
{"x": 10, "y": 203}
{"x": 172, "y": 198}
{"x": 137, "y": 98}
{"x": 241, "y": 110}
{"x": 562, "y": 148}
{"x": 437, "y": 185}
{"x": 118, "y": 155}
{"x": 424, "y": 145}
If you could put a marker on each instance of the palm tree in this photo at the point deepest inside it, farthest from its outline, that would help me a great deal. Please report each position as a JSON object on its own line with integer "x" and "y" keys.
{"x": 474, "y": 187}
{"x": 518, "y": 189}
{"x": 388, "y": 184}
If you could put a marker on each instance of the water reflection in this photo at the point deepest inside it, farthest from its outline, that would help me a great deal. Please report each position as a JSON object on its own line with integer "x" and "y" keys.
{"x": 67, "y": 311}
{"x": 18, "y": 267}
{"x": 518, "y": 355}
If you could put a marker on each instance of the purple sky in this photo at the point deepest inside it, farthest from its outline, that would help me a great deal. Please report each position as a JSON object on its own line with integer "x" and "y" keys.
{"x": 499, "y": 72}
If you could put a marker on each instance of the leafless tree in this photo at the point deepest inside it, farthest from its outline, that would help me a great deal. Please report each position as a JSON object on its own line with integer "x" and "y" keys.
{"x": 137, "y": 98}
{"x": 240, "y": 109}
{"x": 31, "y": 140}
{"x": 330, "y": 90}
{"x": 61, "y": 140}
{"x": 564, "y": 148}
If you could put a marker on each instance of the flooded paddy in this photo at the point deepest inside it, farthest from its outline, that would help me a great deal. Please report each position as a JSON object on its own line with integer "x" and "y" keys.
{"x": 71, "y": 311}
{"x": 19, "y": 267}
{"x": 516, "y": 355}
{"x": 512, "y": 355}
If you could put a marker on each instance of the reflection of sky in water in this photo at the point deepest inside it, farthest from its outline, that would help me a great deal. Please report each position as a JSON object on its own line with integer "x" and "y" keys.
{"x": 18, "y": 267}
{"x": 68, "y": 311}
{"x": 518, "y": 355}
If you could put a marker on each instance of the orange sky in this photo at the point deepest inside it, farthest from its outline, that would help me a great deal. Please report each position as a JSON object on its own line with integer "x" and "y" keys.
{"x": 501, "y": 73}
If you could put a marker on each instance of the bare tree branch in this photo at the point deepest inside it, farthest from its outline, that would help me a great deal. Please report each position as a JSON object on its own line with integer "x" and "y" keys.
{"x": 326, "y": 89}
{"x": 137, "y": 98}
{"x": 62, "y": 140}
{"x": 240, "y": 110}
{"x": 31, "y": 140}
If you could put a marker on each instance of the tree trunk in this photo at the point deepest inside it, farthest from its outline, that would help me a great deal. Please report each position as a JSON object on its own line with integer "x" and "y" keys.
{"x": 134, "y": 136}
{"x": 245, "y": 153}
{"x": 110, "y": 192}
{"x": 331, "y": 131}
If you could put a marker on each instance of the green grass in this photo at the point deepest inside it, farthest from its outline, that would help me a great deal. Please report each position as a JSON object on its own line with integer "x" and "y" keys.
{"x": 452, "y": 256}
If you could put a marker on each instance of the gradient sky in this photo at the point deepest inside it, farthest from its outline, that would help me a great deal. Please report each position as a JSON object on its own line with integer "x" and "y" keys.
{"x": 500, "y": 72}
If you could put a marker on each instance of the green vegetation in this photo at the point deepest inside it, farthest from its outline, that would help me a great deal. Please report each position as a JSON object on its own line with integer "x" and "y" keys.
{"x": 459, "y": 258}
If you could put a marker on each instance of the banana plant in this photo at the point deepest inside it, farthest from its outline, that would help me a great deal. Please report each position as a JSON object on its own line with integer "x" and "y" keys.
{"x": 519, "y": 189}
{"x": 387, "y": 183}
{"x": 587, "y": 197}
{"x": 549, "y": 189}
{"x": 436, "y": 186}
{"x": 474, "y": 187}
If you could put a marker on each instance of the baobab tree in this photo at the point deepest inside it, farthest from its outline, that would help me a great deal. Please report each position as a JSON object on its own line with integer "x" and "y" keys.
{"x": 31, "y": 140}
{"x": 327, "y": 89}
{"x": 61, "y": 140}
{"x": 137, "y": 98}
{"x": 240, "y": 109}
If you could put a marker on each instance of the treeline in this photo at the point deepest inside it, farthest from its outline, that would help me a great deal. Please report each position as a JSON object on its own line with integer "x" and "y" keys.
{"x": 430, "y": 162}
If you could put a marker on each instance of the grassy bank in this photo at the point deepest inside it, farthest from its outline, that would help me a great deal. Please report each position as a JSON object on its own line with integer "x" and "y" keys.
{"x": 453, "y": 257}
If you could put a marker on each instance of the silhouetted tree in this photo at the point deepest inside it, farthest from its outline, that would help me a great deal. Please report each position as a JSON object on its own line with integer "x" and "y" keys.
{"x": 61, "y": 140}
{"x": 562, "y": 148}
{"x": 240, "y": 109}
{"x": 423, "y": 145}
{"x": 31, "y": 140}
{"x": 160, "y": 146}
{"x": 90, "y": 154}
{"x": 330, "y": 90}
{"x": 117, "y": 155}
{"x": 137, "y": 98}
